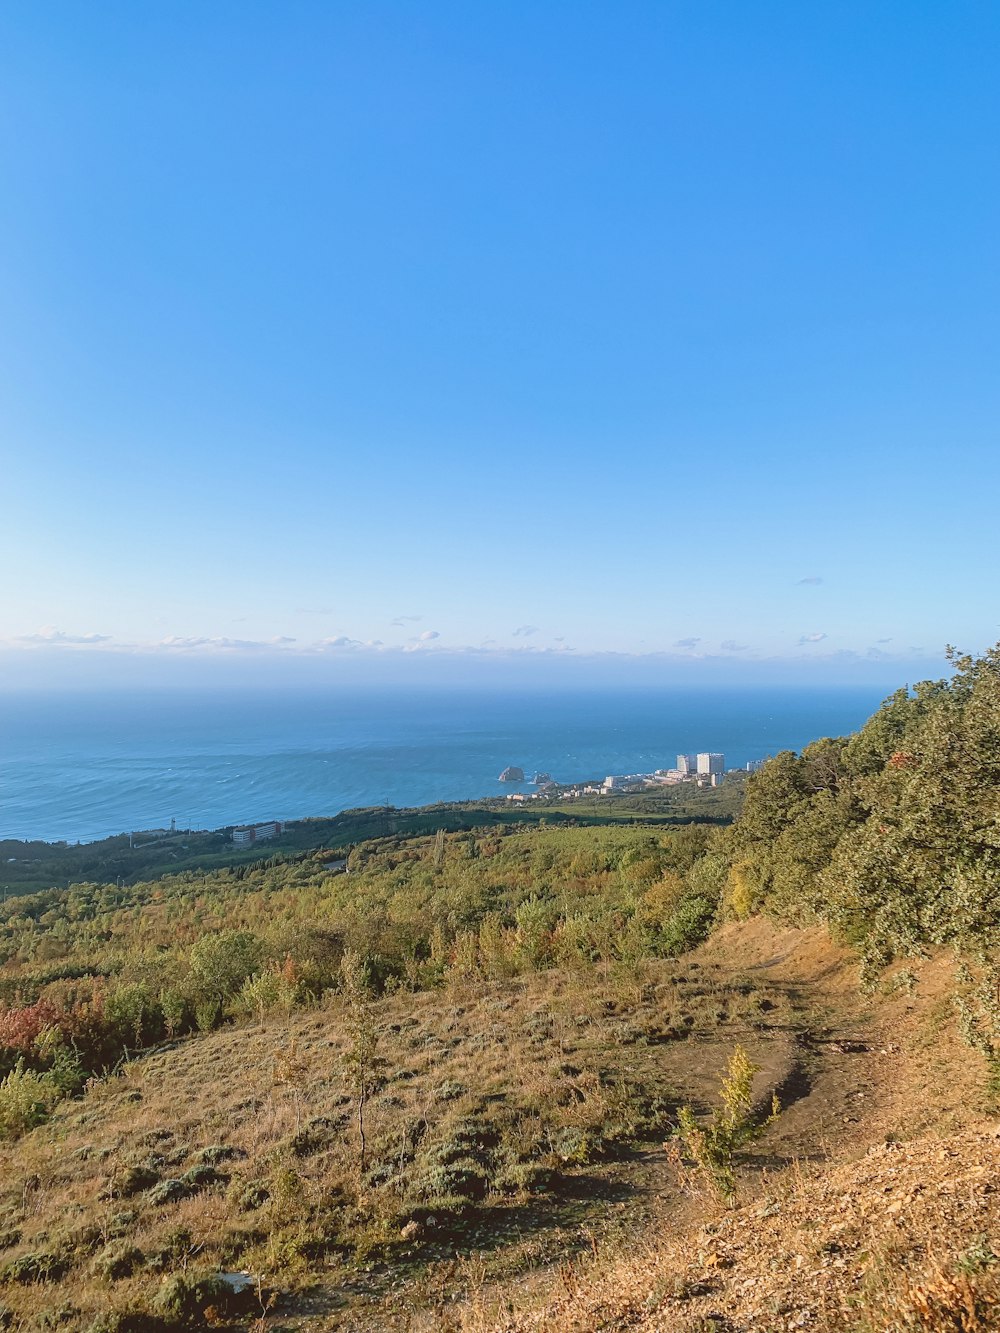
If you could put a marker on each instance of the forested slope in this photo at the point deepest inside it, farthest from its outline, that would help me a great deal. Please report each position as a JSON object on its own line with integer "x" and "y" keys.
{"x": 891, "y": 835}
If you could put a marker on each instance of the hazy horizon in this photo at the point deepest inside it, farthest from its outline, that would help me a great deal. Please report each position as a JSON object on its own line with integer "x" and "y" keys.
{"x": 266, "y": 673}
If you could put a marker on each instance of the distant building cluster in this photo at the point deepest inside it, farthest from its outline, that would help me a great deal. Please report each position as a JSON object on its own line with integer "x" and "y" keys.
{"x": 712, "y": 766}
{"x": 249, "y": 833}
{"x": 620, "y": 781}
{"x": 707, "y": 769}
{"x": 551, "y": 790}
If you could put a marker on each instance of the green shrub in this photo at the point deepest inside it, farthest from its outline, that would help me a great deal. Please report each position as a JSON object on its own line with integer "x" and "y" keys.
{"x": 223, "y": 961}
{"x": 450, "y": 1090}
{"x": 26, "y": 1098}
{"x": 117, "y": 1261}
{"x": 202, "y": 1176}
{"x": 168, "y": 1191}
{"x": 173, "y": 1250}
{"x": 575, "y": 1145}
{"x": 462, "y": 1178}
{"x": 66, "y": 1315}
{"x": 689, "y": 925}
{"x": 714, "y": 1146}
{"x": 126, "y": 1321}
{"x": 530, "y": 1177}
{"x": 260, "y": 994}
{"x": 183, "y": 1298}
{"x": 133, "y": 1179}
{"x": 313, "y": 1137}
{"x": 249, "y": 1195}
{"x": 36, "y": 1266}
{"x": 219, "y": 1152}
{"x": 208, "y": 1013}
{"x": 439, "y": 1210}
{"x": 119, "y": 1223}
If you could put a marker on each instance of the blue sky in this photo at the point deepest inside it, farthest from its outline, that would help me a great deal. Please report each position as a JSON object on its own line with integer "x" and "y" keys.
{"x": 386, "y": 338}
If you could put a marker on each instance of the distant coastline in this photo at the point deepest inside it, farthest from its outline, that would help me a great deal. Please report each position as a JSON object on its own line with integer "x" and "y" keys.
{"x": 31, "y": 866}
{"x": 72, "y": 773}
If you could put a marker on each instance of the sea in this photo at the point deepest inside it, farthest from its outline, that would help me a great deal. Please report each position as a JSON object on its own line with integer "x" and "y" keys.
{"x": 78, "y": 767}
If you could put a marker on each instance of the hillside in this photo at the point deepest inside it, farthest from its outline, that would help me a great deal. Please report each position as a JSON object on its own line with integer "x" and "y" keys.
{"x": 878, "y": 1212}
{"x": 514, "y": 1138}
{"x": 583, "y": 1075}
{"x": 30, "y": 867}
{"x": 502, "y": 1119}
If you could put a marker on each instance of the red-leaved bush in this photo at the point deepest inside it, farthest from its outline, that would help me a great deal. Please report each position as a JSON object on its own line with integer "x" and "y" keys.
{"x": 19, "y": 1027}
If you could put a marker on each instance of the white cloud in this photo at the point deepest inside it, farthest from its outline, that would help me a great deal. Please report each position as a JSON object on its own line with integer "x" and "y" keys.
{"x": 689, "y": 653}
{"x": 523, "y": 631}
{"x": 401, "y": 622}
{"x": 812, "y": 580}
{"x": 175, "y": 641}
{"x": 340, "y": 641}
{"x": 50, "y": 635}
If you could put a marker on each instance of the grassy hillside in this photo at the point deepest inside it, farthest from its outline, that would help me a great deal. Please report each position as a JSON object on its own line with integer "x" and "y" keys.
{"x": 505, "y": 1124}
{"x": 119, "y": 967}
{"x": 505, "y": 1073}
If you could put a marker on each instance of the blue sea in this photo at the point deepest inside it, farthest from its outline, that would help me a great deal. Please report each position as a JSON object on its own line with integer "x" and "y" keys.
{"x": 86, "y": 766}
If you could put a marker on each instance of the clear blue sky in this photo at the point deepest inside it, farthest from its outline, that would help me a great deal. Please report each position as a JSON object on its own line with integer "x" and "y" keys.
{"x": 548, "y": 330}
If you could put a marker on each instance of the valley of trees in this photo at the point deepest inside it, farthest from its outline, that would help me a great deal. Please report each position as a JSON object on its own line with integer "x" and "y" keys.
{"x": 94, "y": 972}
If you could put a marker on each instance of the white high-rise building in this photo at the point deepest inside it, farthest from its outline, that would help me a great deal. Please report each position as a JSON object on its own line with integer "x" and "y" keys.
{"x": 711, "y": 765}
{"x": 686, "y": 763}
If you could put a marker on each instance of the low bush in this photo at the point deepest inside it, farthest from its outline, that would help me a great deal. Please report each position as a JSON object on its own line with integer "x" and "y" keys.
{"x": 117, "y": 1261}
{"x": 134, "y": 1179}
{"x": 183, "y": 1300}
{"x": 168, "y": 1191}
{"x": 36, "y": 1266}
{"x": 26, "y": 1098}
{"x": 714, "y": 1145}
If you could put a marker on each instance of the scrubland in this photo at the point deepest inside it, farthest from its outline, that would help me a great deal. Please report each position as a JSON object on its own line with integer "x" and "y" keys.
{"x": 596, "y": 1077}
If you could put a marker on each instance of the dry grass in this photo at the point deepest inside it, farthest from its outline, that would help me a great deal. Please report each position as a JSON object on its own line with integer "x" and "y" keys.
{"x": 867, "y": 1226}
{"x": 503, "y": 1119}
{"x": 893, "y": 1244}
{"x": 517, "y": 1178}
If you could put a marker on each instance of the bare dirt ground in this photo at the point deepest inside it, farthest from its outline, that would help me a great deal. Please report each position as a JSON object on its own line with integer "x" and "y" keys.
{"x": 872, "y": 1203}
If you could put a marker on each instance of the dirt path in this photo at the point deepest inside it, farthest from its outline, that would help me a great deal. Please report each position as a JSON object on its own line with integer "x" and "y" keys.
{"x": 852, "y": 1073}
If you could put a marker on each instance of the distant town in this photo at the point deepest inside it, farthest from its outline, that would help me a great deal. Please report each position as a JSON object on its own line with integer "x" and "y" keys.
{"x": 707, "y": 769}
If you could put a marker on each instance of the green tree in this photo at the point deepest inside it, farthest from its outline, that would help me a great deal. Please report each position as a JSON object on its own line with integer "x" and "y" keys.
{"x": 222, "y": 962}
